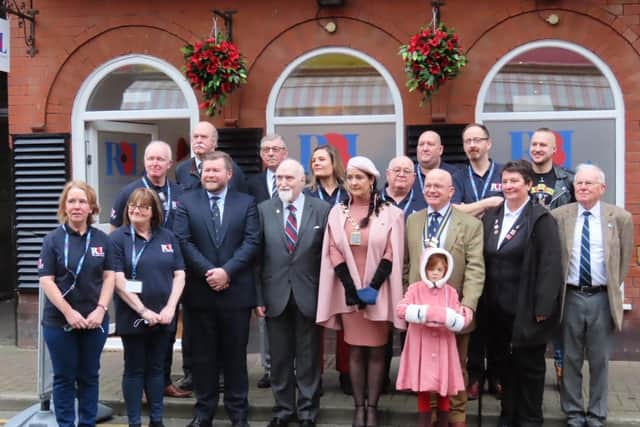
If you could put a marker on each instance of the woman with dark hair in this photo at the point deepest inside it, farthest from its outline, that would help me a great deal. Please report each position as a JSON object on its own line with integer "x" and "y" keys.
{"x": 361, "y": 281}
{"x": 149, "y": 281}
{"x": 76, "y": 275}
{"x": 522, "y": 292}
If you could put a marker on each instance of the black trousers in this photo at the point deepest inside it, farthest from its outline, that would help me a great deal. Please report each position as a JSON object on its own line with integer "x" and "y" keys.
{"x": 168, "y": 358}
{"x": 213, "y": 330}
{"x": 482, "y": 346}
{"x": 522, "y": 374}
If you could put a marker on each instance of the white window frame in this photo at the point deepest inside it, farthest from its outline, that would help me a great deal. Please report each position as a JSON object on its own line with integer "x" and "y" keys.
{"x": 617, "y": 113}
{"x": 80, "y": 116}
{"x": 396, "y": 118}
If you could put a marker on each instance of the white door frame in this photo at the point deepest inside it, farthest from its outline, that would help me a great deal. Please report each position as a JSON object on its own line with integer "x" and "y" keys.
{"x": 397, "y": 118}
{"x": 110, "y": 126}
{"x": 80, "y": 116}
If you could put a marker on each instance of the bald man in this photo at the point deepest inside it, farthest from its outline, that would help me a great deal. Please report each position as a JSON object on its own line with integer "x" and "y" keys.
{"x": 429, "y": 155}
{"x": 400, "y": 190}
{"x": 158, "y": 159}
{"x": 552, "y": 185}
{"x": 461, "y": 235}
{"x": 204, "y": 139}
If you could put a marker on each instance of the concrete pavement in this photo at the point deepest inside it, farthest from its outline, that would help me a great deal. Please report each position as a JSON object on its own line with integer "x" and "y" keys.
{"x": 18, "y": 390}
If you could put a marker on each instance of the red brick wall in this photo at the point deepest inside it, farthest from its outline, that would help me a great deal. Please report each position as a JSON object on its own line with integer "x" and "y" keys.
{"x": 76, "y": 36}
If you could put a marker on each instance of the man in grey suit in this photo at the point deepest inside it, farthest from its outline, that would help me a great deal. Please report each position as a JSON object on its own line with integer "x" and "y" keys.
{"x": 292, "y": 232}
{"x": 597, "y": 241}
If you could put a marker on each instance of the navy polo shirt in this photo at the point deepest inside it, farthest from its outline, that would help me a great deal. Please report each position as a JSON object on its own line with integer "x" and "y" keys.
{"x": 418, "y": 185}
{"x": 120, "y": 204}
{"x": 464, "y": 189}
{"x": 86, "y": 293}
{"x": 159, "y": 260}
{"x": 339, "y": 194}
{"x": 410, "y": 204}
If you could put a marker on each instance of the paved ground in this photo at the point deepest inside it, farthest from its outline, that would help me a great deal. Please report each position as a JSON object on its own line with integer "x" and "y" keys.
{"x": 18, "y": 390}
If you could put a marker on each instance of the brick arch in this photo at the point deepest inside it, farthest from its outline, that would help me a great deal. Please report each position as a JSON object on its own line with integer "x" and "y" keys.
{"x": 97, "y": 50}
{"x": 582, "y": 7}
{"x": 578, "y": 28}
{"x": 302, "y": 38}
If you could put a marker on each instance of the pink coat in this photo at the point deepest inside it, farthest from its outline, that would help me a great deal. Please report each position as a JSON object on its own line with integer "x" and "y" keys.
{"x": 429, "y": 360}
{"x": 388, "y": 226}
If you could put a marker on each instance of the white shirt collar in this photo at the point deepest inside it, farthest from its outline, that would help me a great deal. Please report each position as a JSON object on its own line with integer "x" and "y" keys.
{"x": 442, "y": 211}
{"x": 595, "y": 210}
{"x": 517, "y": 212}
{"x": 298, "y": 203}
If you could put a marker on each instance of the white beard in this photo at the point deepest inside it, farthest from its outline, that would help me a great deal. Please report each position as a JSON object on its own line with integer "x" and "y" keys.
{"x": 285, "y": 195}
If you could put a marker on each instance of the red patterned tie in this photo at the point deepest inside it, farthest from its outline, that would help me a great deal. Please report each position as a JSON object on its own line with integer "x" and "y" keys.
{"x": 291, "y": 229}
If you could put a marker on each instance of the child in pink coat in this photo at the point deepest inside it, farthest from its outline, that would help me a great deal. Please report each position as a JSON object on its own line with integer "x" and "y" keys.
{"x": 429, "y": 362}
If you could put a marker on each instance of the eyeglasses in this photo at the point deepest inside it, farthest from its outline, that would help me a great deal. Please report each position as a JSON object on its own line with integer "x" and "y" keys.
{"x": 275, "y": 150}
{"x": 398, "y": 171}
{"x": 141, "y": 208}
{"x": 475, "y": 140}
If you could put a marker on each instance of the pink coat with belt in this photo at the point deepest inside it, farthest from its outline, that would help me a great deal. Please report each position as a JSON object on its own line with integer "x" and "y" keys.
{"x": 387, "y": 226}
{"x": 429, "y": 360}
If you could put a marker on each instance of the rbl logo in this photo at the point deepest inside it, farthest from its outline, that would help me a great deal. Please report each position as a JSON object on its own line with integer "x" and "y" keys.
{"x": 345, "y": 143}
{"x": 520, "y": 141}
{"x": 122, "y": 157}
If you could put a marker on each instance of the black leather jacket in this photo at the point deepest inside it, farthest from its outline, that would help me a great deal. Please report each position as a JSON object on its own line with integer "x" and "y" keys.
{"x": 563, "y": 189}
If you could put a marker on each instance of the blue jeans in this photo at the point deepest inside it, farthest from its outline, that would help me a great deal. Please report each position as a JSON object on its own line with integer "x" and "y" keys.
{"x": 144, "y": 356}
{"x": 75, "y": 358}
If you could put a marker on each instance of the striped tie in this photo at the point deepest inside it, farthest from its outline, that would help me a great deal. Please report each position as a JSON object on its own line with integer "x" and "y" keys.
{"x": 291, "y": 229}
{"x": 585, "y": 252}
{"x": 274, "y": 187}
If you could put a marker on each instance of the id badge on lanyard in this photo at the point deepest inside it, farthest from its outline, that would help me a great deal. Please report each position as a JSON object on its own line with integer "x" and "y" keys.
{"x": 132, "y": 285}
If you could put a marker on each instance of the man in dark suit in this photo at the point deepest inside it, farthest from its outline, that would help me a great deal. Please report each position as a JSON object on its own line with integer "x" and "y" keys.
{"x": 204, "y": 139}
{"x": 273, "y": 150}
{"x": 263, "y": 187}
{"x": 218, "y": 229}
{"x": 292, "y": 232}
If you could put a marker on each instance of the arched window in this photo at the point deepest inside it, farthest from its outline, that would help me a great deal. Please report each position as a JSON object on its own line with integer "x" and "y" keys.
{"x": 341, "y": 97}
{"x": 564, "y": 87}
{"x": 120, "y": 107}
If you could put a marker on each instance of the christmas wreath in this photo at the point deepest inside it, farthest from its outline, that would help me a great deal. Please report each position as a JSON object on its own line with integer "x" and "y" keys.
{"x": 432, "y": 57}
{"x": 216, "y": 68}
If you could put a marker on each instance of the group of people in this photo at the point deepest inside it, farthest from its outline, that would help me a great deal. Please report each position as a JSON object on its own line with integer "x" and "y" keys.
{"x": 482, "y": 261}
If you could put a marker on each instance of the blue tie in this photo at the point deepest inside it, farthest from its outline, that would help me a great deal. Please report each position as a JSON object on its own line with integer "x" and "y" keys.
{"x": 585, "y": 253}
{"x": 215, "y": 216}
{"x": 434, "y": 223}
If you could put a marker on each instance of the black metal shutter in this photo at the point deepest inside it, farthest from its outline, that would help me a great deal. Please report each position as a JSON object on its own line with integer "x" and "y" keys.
{"x": 242, "y": 145}
{"x": 451, "y": 136}
{"x": 40, "y": 171}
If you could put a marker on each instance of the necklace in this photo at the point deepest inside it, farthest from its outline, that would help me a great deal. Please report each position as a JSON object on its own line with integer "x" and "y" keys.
{"x": 355, "y": 239}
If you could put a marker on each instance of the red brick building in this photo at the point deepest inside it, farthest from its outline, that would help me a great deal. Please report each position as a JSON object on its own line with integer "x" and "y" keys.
{"x": 107, "y": 72}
